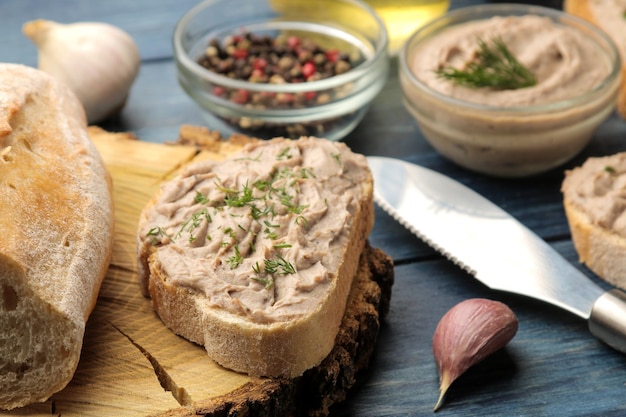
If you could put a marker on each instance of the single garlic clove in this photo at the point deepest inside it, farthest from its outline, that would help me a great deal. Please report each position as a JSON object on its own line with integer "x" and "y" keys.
{"x": 468, "y": 333}
{"x": 98, "y": 61}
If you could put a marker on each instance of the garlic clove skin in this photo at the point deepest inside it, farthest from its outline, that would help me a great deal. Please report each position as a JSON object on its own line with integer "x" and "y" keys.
{"x": 468, "y": 333}
{"x": 98, "y": 61}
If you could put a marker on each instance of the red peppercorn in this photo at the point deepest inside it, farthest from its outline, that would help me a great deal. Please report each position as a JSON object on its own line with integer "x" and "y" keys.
{"x": 256, "y": 73}
{"x": 218, "y": 90}
{"x": 308, "y": 69}
{"x": 332, "y": 55}
{"x": 240, "y": 96}
{"x": 240, "y": 53}
{"x": 293, "y": 42}
{"x": 259, "y": 64}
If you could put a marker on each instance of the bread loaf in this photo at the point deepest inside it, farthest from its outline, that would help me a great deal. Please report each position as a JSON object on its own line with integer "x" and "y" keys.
{"x": 254, "y": 257}
{"x": 56, "y": 218}
{"x": 594, "y": 196}
{"x": 610, "y": 16}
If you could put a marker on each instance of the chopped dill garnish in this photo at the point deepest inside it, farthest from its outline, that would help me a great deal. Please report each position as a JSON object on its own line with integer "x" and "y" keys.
{"x": 257, "y": 213}
{"x": 249, "y": 158}
{"x": 230, "y": 232}
{"x": 307, "y": 173}
{"x": 235, "y": 260}
{"x": 269, "y": 233}
{"x": 267, "y": 281}
{"x": 302, "y": 221}
{"x": 284, "y": 154}
{"x": 271, "y": 267}
{"x": 155, "y": 232}
{"x": 279, "y": 266}
{"x": 297, "y": 209}
{"x": 225, "y": 189}
{"x": 268, "y": 224}
{"x": 286, "y": 200}
{"x": 262, "y": 185}
{"x": 200, "y": 198}
{"x": 194, "y": 222}
{"x": 239, "y": 198}
{"x": 282, "y": 245}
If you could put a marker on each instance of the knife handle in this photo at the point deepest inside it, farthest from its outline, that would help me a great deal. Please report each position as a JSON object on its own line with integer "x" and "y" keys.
{"x": 607, "y": 320}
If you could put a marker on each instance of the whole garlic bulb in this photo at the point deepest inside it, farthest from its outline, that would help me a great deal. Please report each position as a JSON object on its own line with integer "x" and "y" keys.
{"x": 98, "y": 61}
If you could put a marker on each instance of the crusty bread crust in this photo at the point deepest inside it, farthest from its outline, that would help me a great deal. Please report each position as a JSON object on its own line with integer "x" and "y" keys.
{"x": 601, "y": 250}
{"x": 279, "y": 349}
{"x": 578, "y": 8}
{"x": 581, "y": 8}
{"x": 56, "y": 218}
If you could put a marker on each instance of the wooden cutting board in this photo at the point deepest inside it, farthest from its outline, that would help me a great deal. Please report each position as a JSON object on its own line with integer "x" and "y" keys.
{"x": 131, "y": 364}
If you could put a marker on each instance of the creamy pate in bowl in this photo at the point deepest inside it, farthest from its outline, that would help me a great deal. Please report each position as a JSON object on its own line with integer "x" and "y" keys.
{"x": 509, "y": 90}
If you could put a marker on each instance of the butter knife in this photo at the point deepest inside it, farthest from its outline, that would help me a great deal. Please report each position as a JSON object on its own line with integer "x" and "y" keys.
{"x": 492, "y": 245}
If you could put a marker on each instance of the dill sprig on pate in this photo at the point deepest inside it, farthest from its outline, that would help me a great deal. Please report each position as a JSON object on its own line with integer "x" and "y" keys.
{"x": 494, "y": 66}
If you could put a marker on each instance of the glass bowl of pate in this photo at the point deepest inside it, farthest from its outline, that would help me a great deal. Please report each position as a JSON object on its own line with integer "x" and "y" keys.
{"x": 268, "y": 68}
{"x": 509, "y": 90}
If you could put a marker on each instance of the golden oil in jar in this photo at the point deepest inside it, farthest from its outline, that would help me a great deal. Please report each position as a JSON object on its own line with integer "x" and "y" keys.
{"x": 403, "y": 17}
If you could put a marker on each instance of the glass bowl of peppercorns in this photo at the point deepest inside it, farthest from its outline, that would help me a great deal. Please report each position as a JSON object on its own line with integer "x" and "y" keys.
{"x": 291, "y": 68}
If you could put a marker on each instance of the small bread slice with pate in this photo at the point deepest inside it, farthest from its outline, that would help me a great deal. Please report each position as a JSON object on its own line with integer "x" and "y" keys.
{"x": 610, "y": 16}
{"x": 254, "y": 256}
{"x": 594, "y": 197}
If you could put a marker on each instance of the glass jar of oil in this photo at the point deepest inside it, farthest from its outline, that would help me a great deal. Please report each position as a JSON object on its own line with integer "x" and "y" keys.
{"x": 403, "y": 17}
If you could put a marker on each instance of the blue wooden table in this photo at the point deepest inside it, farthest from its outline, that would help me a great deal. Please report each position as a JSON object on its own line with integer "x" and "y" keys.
{"x": 553, "y": 367}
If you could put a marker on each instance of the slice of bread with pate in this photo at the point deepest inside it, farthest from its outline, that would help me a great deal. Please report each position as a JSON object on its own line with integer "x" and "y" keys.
{"x": 594, "y": 197}
{"x": 610, "y": 16}
{"x": 254, "y": 256}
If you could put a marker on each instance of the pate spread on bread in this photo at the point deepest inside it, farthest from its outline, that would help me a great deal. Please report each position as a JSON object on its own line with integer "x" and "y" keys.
{"x": 254, "y": 256}
{"x": 56, "y": 217}
{"x": 594, "y": 197}
{"x": 610, "y": 16}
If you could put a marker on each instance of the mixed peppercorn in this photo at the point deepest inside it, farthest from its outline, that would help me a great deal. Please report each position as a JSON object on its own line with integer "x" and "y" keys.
{"x": 275, "y": 60}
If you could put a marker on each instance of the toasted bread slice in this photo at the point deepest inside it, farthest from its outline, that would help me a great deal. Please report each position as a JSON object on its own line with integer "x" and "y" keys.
{"x": 224, "y": 282}
{"x": 595, "y": 206}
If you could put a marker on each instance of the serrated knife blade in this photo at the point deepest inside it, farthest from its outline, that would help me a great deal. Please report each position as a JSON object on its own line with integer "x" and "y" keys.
{"x": 492, "y": 245}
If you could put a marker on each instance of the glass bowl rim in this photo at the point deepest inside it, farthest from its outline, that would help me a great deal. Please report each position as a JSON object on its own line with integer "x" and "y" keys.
{"x": 182, "y": 58}
{"x": 460, "y": 16}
